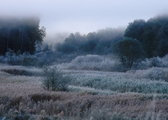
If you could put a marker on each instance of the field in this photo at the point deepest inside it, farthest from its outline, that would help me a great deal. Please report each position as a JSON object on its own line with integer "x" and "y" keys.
{"x": 92, "y": 95}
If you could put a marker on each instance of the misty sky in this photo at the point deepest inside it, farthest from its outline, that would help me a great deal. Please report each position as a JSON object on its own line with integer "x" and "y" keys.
{"x": 84, "y": 15}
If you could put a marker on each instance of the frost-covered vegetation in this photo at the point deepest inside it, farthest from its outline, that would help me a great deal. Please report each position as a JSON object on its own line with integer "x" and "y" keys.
{"x": 41, "y": 58}
{"x": 153, "y": 73}
{"x": 55, "y": 80}
{"x": 153, "y": 62}
{"x": 111, "y": 74}
{"x": 146, "y": 82}
{"x": 23, "y": 97}
{"x": 93, "y": 62}
{"x": 111, "y": 63}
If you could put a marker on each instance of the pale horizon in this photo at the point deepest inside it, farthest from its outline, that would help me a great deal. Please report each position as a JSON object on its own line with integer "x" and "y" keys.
{"x": 61, "y": 16}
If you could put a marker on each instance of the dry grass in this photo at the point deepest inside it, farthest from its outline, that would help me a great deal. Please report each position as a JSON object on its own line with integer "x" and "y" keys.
{"x": 75, "y": 104}
{"x": 24, "y": 95}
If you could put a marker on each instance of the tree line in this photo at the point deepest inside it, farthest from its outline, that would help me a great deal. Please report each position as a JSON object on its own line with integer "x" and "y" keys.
{"x": 100, "y": 42}
{"x": 20, "y": 35}
{"x": 141, "y": 39}
{"x": 144, "y": 39}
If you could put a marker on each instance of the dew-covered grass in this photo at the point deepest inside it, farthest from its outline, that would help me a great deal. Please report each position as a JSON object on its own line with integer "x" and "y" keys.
{"x": 95, "y": 95}
{"x": 119, "y": 82}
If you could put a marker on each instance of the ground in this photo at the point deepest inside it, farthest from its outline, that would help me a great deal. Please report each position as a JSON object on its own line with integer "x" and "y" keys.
{"x": 92, "y": 95}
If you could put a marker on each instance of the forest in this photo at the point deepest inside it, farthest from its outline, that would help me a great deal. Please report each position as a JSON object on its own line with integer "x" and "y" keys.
{"x": 141, "y": 39}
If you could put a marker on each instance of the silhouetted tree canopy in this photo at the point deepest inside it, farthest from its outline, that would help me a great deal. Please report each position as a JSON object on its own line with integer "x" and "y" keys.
{"x": 100, "y": 42}
{"x": 20, "y": 35}
{"x": 129, "y": 51}
{"x": 153, "y": 35}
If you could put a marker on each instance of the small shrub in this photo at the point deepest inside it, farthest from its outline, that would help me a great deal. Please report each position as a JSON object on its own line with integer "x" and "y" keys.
{"x": 54, "y": 79}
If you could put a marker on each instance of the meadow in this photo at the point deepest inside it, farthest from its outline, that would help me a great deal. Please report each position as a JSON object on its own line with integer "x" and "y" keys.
{"x": 91, "y": 95}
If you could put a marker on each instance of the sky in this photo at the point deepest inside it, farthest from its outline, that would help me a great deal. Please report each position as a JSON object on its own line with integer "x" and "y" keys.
{"x": 83, "y": 15}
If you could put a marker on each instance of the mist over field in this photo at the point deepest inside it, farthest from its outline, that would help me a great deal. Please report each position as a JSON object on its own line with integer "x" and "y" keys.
{"x": 83, "y": 60}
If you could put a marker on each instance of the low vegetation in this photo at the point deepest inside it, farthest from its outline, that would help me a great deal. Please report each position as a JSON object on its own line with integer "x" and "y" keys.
{"x": 121, "y": 82}
{"x": 93, "y": 62}
{"x": 54, "y": 79}
{"x": 70, "y": 106}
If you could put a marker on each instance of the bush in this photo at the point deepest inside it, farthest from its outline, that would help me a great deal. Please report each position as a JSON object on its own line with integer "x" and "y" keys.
{"x": 25, "y": 59}
{"x": 155, "y": 73}
{"x": 94, "y": 62}
{"x": 153, "y": 62}
{"x": 54, "y": 79}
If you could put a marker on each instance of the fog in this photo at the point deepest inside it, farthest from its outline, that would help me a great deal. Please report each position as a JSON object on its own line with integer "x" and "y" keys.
{"x": 83, "y": 15}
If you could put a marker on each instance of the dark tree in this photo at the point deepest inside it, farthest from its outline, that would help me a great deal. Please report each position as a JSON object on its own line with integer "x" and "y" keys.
{"x": 129, "y": 51}
{"x": 153, "y": 35}
{"x": 20, "y": 35}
